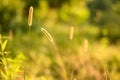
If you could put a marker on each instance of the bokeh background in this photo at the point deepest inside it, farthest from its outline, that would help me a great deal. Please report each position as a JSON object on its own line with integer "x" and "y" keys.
{"x": 94, "y": 21}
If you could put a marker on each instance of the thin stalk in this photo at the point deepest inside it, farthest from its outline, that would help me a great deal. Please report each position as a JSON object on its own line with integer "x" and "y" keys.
{"x": 71, "y": 34}
{"x": 61, "y": 63}
{"x": 30, "y": 18}
{"x": 56, "y": 53}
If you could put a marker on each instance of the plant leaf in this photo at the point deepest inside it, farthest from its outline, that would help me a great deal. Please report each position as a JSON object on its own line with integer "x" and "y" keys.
{"x": 4, "y": 45}
{"x": 4, "y": 75}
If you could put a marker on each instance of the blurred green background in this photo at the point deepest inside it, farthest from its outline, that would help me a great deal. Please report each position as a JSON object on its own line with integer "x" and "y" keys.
{"x": 102, "y": 15}
{"x": 98, "y": 21}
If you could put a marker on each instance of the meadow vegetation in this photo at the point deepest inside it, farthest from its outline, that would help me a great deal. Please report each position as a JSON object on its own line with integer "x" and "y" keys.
{"x": 64, "y": 40}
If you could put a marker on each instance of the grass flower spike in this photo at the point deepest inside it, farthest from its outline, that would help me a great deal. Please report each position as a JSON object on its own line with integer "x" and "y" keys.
{"x": 85, "y": 45}
{"x": 47, "y": 34}
{"x": 30, "y": 16}
{"x": 71, "y": 32}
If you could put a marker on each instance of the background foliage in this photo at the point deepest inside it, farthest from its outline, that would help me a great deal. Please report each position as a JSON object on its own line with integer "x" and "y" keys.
{"x": 101, "y": 13}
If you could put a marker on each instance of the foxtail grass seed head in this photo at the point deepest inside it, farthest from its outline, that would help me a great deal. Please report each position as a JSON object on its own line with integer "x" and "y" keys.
{"x": 10, "y": 35}
{"x": 71, "y": 32}
{"x": 30, "y": 16}
{"x": 85, "y": 45}
{"x": 47, "y": 34}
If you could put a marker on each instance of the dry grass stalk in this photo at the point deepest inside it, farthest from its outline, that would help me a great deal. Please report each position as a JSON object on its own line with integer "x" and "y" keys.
{"x": 30, "y": 16}
{"x": 71, "y": 32}
{"x": 56, "y": 53}
{"x": 47, "y": 34}
{"x": 106, "y": 75}
{"x": 85, "y": 45}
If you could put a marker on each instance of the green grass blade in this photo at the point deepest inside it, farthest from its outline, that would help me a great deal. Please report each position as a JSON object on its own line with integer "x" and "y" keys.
{"x": 4, "y": 45}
